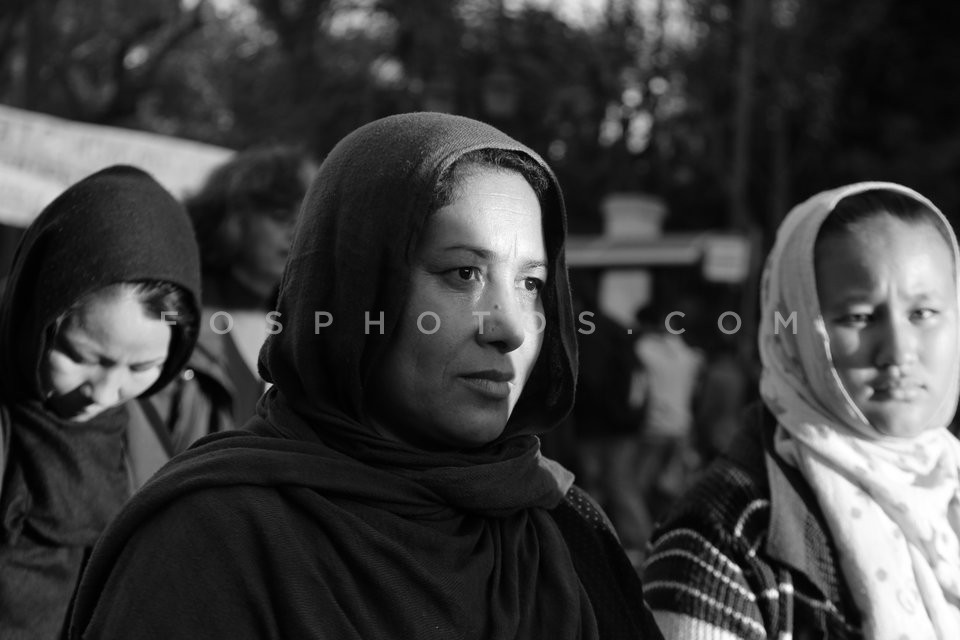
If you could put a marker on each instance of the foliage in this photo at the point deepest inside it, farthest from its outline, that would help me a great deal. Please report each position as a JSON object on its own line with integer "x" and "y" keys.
{"x": 643, "y": 98}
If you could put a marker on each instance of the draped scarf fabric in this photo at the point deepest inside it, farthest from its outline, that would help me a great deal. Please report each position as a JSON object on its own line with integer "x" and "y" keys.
{"x": 433, "y": 555}
{"x": 63, "y": 481}
{"x": 892, "y": 504}
{"x": 430, "y": 543}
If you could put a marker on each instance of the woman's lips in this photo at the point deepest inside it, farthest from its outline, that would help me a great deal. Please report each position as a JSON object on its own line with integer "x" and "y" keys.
{"x": 494, "y": 385}
{"x": 899, "y": 391}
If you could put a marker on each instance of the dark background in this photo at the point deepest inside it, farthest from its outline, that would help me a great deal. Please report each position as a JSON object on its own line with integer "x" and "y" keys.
{"x": 730, "y": 110}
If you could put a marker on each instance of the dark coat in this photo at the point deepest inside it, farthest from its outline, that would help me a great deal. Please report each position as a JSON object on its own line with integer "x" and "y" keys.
{"x": 717, "y": 559}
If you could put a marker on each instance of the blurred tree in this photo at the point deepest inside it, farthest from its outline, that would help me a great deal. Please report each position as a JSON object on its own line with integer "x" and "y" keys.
{"x": 644, "y": 97}
{"x": 310, "y": 71}
{"x": 896, "y": 104}
{"x": 91, "y": 61}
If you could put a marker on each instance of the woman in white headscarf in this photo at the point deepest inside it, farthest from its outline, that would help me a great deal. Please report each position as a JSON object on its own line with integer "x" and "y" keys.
{"x": 837, "y": 512}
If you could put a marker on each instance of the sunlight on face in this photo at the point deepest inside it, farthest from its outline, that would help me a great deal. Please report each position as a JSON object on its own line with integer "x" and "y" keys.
{"x": 888, "y": 299}
{"x": 470, "y": 334}
{"x": 108, "y": 351}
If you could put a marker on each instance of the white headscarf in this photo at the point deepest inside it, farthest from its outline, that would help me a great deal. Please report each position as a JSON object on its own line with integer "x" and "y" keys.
{"x": 892, "y": 504}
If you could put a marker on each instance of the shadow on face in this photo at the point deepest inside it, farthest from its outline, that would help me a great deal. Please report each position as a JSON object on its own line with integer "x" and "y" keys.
{"x": 887, "y": 292}
{"x": 107, "y": 351}
{"x": 472, "y": 327}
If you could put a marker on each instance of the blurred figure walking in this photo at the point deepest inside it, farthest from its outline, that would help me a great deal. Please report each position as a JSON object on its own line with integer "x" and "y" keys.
{"x": 672, "y": 371}
{"x": 607, "y": 425}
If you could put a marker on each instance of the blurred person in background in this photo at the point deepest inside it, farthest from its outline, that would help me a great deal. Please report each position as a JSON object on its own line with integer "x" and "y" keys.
{"x": 671, "y": 373}
{"x": 726, "y": 388}
{"x": 607, "y": 420}
{"x": 101, "y": 307}
{"x": 391, "y": 485}
{"x": 243, "y": 216}
{"x": 836, "y": 511}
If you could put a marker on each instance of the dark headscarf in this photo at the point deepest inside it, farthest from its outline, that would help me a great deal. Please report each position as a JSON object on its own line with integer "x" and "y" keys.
{"x": 351, "y": 257}
{"x": 62, "y": 482}
{"x": 395, "y": 541}
{"x": 116, "y": 225}
{"x": 358, "y": 227}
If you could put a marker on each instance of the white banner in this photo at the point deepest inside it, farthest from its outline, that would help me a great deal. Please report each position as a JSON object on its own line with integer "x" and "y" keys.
{"x": 41, "y": 155}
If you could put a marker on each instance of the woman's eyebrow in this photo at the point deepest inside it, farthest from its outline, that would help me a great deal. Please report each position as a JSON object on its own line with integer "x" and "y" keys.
{"x": 477, "y": 251}
{"x": 485, "y": 254}
{"x": 535, "y": 264}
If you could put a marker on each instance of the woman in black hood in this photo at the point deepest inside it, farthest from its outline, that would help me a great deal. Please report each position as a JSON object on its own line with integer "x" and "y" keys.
{"x": 391, "y": 485}
{"x": 101, "y": 307}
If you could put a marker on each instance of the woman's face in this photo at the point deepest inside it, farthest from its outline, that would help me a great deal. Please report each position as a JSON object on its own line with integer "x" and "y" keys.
{"x": 472, "y": 326}
{"x": 267, "y": 237}
{"x": 888, "y": 298}
{"x": 106, "y": 353}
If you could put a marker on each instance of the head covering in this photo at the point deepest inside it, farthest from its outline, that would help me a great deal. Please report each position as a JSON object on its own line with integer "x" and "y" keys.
{"x": 117, "y": 225}
{"x": 402, "y": 541}
{"x": 351, "y": 257}
{"x": 892, "y": 504}
{"x": 357, "y": 229}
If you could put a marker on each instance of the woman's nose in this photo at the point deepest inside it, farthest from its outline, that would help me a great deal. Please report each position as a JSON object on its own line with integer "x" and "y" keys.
{"x": 502, "y": 324}
{"x": 898, "y": 344}
{"x": 107, "y": 389}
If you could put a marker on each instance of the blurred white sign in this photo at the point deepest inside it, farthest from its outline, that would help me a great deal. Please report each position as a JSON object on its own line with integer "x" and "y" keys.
{"x": 726, "y": 258}
{"x": 41, "y": 155}
{"x": 633, "y": 215}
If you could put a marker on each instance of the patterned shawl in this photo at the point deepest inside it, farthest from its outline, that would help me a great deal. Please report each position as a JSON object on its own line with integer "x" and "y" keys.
{"x": 892, "y": 504}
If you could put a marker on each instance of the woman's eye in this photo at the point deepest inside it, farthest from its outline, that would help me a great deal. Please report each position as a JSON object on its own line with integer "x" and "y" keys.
{"x": 854, "y": 319}
{"x": 74, "y": 356}
{"x": 143, "y": 368}
{"x": 468, "y": 273}
{"x": 462, "y": 278}
{"x": 924, "y": 314}
{"x": 534, "y": 285}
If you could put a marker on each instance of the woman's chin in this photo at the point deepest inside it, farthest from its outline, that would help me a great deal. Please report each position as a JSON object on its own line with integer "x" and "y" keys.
{"x": 897, "y": 422}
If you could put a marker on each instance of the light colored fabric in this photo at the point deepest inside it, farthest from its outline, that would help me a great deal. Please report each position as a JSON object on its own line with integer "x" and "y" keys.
{"x": 892, "y": 504}
{"x": 677, "y": 626}
{"x": 248, "y": 332}
{"x": 561, "y": 474}
{"x": 672, "y": 368}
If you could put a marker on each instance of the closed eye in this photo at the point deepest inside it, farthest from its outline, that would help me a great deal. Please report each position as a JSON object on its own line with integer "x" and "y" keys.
{"x": 66, "y": 347}
{"x": 143, "y": 367}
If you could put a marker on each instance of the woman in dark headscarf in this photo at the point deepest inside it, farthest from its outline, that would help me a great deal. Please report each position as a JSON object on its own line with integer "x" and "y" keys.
{"x": 101, "y": 307}
{"x": 392, "y": 485}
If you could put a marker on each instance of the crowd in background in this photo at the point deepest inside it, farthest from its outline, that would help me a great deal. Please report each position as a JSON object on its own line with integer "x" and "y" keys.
{"x": 652, "y": 409}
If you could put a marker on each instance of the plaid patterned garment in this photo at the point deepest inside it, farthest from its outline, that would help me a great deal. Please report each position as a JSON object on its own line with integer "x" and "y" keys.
{"x": 718, "y": 570}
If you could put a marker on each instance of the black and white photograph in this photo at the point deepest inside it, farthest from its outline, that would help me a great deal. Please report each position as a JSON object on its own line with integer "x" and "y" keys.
{"x": 479, "y": 320}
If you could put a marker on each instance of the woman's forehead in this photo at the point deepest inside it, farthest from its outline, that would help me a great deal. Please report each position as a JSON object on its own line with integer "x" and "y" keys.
{"x": 884, "y": 253}
{"x": 493, "y": 210}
